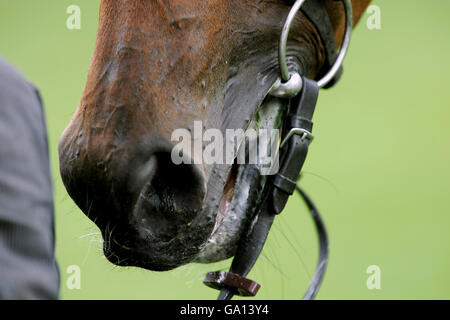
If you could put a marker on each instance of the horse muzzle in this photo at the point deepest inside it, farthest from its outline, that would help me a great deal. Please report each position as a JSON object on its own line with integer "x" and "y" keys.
{"x": 149, "y": 210}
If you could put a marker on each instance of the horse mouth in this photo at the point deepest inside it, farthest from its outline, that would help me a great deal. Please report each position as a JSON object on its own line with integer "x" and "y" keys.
{"x": 227, "y": 196}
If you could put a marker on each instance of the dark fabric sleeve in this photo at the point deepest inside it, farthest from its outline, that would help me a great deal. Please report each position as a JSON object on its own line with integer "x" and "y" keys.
{"x": 28, "y": 268}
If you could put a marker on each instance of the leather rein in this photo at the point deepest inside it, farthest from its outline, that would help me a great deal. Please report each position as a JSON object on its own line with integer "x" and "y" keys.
{"x": 302, "y": 94}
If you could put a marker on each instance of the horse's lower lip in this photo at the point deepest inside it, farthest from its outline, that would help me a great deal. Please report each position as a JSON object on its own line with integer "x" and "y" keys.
{"x": 227, "y": 196}
{"x": 124, "y": 256}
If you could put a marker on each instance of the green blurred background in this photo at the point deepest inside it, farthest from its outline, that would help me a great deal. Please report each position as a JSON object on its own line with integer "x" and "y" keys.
{"x": 379, "y": 168}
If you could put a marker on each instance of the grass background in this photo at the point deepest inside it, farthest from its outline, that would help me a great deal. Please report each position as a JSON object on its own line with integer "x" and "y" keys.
{"x": 379, "y": 168}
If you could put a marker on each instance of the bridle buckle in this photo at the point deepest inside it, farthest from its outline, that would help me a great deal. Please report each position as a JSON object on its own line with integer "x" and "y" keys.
{"x": 305, "y": 134}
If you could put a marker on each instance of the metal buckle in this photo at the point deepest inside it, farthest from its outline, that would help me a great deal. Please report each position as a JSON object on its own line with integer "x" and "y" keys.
{"x": 297, "y": 131}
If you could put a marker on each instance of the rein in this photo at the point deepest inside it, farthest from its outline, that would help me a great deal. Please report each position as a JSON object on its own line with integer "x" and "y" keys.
{"x": 302, "y": 94}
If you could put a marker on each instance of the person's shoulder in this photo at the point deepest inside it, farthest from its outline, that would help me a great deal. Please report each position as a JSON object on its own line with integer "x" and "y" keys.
{"x": 14, "y": 84}
{"x": 10, "y": 74}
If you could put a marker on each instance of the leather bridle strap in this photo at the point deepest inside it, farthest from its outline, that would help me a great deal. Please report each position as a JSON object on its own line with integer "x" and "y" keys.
{"x": 275, "y": 194}
{"x": 323, "y": 247}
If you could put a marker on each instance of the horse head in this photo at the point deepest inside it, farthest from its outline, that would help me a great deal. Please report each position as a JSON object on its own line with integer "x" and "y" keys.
{"x": 159, "y": 66}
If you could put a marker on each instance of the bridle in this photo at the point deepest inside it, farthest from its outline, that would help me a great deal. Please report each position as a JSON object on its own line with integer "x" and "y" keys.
{"x": 302, "y": 94}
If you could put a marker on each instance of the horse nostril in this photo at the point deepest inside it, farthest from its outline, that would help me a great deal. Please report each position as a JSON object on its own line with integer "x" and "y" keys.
{"x": 171, "y": 197}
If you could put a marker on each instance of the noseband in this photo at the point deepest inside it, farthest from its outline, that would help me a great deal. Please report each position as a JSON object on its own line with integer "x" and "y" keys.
{"x": 302, "y": 94}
